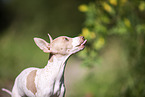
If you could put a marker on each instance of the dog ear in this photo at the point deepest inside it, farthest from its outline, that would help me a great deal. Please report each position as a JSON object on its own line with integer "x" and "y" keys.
{"x": 50, "y": 38}
{"x": 42, "y": 44}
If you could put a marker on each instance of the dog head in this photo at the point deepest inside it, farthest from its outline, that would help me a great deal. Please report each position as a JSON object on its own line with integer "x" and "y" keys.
{"x": 62, "y": 45}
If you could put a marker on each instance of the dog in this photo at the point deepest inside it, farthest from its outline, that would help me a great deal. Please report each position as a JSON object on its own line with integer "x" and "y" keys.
{"x": 48, "y": 81}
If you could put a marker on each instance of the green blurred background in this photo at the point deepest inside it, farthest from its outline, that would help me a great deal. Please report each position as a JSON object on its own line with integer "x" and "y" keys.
{"x": 111, "y": 65}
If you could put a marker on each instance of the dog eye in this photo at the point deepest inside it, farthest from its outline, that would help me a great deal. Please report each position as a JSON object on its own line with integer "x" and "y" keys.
{"x": 66, "y": 39}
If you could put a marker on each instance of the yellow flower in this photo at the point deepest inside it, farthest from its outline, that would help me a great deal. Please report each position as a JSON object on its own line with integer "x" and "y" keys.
{"x": 123, "y": 1}
{"x": 141, "y": 6}
{"x": 85, "y": 32}
{"x": 83, "y": 8}
{"x": 113, "y": 2}
{"x": 127, "y": 22}
{"x": 107, "y": 7}
{"x": 93, "y": 35}
{"x": 99, "y": 43}
{"x": 88, "y": 34}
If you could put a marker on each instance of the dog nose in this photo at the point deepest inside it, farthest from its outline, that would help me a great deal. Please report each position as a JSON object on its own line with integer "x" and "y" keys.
{"x": 82, "y": 37}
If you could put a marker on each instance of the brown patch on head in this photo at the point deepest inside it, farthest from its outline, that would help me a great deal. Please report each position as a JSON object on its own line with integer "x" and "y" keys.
{"x": 31, "y": 81}
{"x": 61, "y": 44}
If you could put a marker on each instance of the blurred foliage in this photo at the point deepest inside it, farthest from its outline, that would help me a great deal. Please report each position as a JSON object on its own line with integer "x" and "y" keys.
{"x": 40, "y": 17}
{"x": 111, "y": 17}
{"x": 124, "y": 19}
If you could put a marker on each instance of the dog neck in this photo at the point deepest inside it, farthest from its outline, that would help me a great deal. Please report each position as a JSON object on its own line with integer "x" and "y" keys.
{"x": 57, "y": 63}
{"x": 55, "y": 58}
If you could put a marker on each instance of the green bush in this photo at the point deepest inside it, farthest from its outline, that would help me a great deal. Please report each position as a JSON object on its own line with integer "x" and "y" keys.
{"x": 125, "y": 20}
{"x": 105, "y": 18}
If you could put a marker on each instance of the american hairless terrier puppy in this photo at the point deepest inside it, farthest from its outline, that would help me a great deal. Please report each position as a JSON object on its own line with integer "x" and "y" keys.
{"x": 48, "y": 81}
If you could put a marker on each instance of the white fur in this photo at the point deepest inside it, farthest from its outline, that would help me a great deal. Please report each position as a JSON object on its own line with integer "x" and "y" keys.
{"x": 50, "y": 79}
{"x": 75, "y": 41}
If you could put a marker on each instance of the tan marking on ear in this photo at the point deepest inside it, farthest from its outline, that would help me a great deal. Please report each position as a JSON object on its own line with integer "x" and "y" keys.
{"x": 31, "y": 81}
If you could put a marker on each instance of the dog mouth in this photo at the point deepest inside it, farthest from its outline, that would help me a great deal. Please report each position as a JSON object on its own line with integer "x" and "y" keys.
{"x": 82, "y": 43}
